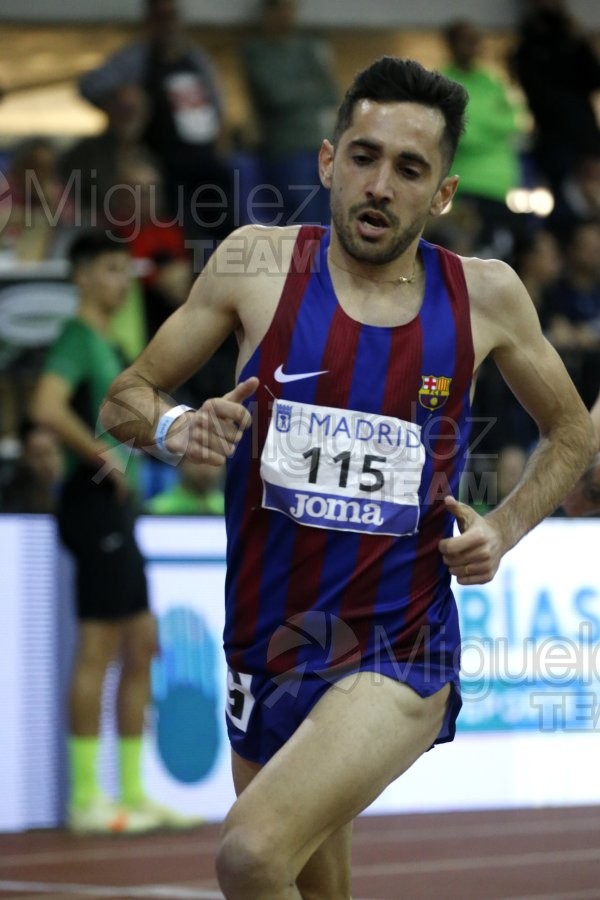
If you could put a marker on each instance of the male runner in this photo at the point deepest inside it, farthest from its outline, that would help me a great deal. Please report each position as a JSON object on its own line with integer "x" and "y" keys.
{"x": 358, "y": 350}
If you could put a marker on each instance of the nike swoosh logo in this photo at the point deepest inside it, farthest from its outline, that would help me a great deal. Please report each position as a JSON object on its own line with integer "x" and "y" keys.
{"x": 282, "y": 378}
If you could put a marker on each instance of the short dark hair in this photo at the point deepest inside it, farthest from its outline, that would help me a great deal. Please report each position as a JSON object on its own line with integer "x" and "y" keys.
{"x": 394, "y": 80}
{"x": 90, "y": 244}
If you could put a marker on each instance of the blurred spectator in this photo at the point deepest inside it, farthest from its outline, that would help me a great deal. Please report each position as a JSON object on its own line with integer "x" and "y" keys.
{"x": 487, "y": 159}
{"x": 559, "y": 70}
{"x": 457, "y": 230}
{"x": 137, "y": 219}
{"x": 95, "y": 163}
{"x": 486, "y": 488}
{"x": 539, "y": 263}
{"x": 538, "y": 260}
{"x": 573, "y": 303}
{"x": 35, "y": 482}
{"x": 40, "y": 210}
{"x": 185, "y": 126}
{"x": 503, "y": 475}
{"x": 166, "y": 287}
{"x": 578, "y": 196}
{"x": 96, "y": 513}
{"x": 139, "y": 214}
{"x": 142, "y": 225}
{"x": 572, "y": 309}
{"x": 294, "y": 94}
{"x": 199, "y": 492}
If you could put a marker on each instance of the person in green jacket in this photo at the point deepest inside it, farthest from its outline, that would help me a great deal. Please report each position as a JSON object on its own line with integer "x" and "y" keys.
{"x": 294, "y": 91}
{"x": 488, "y": 159}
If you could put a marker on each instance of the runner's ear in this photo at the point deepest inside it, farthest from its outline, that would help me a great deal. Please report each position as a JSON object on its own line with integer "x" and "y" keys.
{"x": 326, "y": 154}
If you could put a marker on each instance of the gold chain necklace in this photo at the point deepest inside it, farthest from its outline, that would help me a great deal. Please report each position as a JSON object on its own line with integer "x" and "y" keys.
{"x": 401, "y": 279}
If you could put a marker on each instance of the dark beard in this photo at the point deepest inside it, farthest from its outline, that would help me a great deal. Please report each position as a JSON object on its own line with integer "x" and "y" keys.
{"x": 360, "y": 249}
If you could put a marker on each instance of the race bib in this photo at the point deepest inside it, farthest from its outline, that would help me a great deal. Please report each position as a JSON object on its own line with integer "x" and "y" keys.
{"x": 342, "y": 469}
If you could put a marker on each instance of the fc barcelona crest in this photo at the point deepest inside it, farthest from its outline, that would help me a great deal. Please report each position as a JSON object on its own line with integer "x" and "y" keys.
{"x": 434, "y": 391}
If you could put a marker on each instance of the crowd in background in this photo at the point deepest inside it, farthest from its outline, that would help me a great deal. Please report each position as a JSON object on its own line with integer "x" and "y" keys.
{"x": 160, "y": 179}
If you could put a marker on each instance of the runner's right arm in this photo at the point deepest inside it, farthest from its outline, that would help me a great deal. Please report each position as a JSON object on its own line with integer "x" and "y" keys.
{"x": 140, "y": 395}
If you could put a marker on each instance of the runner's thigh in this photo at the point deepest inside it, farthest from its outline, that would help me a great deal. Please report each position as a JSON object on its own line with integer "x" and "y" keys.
{"x": 362, "y": 734}
{"x": 328, "y": 871}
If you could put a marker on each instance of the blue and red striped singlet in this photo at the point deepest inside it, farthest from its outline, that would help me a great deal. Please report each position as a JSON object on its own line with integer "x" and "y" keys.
{"x": 334, "y": 499}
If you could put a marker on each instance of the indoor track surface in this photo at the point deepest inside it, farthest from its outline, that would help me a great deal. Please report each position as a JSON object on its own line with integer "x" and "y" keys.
{"x": 532, "y": 854}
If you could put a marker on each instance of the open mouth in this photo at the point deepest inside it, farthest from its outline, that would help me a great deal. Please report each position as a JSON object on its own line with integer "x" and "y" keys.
{"x": 372, "y": 223}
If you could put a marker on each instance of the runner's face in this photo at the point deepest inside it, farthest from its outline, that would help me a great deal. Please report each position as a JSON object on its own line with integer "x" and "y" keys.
{"x": 386, "y": 178}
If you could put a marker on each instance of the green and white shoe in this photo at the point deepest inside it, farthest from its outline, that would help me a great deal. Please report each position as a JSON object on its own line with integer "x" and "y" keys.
{"x": 166, "y": 817}
{"x": 102, "y": 816}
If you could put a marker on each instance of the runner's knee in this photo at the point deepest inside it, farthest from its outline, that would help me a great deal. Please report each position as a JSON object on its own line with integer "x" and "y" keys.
{"x": 245, "y": 859}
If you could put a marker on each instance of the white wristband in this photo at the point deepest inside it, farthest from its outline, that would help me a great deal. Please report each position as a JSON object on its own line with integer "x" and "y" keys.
{"x": 160, "y": 435}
